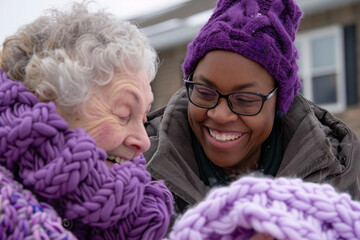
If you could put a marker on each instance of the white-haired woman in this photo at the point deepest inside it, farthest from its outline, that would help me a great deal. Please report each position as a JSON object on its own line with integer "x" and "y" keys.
{"x": 72, "y": 128}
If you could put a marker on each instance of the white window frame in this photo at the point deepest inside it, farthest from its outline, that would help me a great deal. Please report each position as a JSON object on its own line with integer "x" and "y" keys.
{"x": 305, "y": 60}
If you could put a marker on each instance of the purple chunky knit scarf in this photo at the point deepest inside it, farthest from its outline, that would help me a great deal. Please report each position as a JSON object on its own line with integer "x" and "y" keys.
{"x": 64, "y": 167}
{"x": 285, "y": 208}
{"x": 22, "y": 216}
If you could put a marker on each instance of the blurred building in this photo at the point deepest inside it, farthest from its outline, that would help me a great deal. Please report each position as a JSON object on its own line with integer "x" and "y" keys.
{"x": 328, "y": 43}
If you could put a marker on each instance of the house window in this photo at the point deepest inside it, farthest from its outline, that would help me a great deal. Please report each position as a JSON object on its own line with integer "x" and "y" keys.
{"x": 321, "y": 67}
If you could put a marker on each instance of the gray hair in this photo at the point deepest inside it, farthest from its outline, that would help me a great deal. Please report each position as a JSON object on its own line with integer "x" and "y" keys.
{"x": 20, "y": 47}
{"x": 65, "y": 56}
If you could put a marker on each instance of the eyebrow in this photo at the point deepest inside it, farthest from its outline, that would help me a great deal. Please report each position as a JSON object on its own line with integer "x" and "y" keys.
{"x": 211, "y": 83}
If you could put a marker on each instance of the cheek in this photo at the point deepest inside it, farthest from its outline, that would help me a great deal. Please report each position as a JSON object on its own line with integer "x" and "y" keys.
{"x": 195, "y": 114}
{"x": 193, "y": 119}
{"x": 261, "y": 124}
{"x": 107, "y": 135}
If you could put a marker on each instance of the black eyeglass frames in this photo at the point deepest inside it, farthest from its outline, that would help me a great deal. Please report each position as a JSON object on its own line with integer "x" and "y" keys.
{"x": 242, "y": 103}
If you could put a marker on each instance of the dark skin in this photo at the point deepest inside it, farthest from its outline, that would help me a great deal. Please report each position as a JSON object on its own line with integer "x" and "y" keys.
{"x": 229, "y": 140}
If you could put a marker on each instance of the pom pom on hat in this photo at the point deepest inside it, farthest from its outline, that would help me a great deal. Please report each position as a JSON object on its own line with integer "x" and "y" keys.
{"x": 284, "y": 208}
{"x": 261, "y": 30}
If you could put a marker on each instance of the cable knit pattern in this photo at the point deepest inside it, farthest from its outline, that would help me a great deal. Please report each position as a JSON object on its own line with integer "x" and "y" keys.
{"x": 66, "y": 168}
{"x": 284, "y": 208}
{"x": 23, "y": 217}
{"x": 263, "y": 31}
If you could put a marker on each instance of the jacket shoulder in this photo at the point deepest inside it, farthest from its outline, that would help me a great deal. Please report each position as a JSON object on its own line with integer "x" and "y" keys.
{"x": 319, "y": 147}
{"x": 152, "y": 126}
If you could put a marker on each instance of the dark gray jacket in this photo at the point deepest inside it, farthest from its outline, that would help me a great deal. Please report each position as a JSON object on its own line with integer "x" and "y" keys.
{"x": 317, "y": 147}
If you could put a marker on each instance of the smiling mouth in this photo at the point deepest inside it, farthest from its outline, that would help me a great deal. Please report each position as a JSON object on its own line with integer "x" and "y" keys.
{"x": 115, "y": 159}
{"x": 224, "y": 137}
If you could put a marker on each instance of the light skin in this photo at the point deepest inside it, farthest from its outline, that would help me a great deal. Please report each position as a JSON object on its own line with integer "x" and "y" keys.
{"x": 230, "y": 72}
{"x": 115, "y": 116}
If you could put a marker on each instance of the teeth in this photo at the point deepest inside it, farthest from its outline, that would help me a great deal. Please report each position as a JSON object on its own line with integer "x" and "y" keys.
{"x": 116, "y": 159}
{"x": 223, "y": 137}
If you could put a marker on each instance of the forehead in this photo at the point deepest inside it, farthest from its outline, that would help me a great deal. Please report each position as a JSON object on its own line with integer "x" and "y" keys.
{"x": 229, "y": 69}
{"x": 131, "y": 88}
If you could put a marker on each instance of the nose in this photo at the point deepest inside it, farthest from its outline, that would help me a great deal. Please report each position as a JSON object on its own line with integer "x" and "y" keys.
{"x": 222, "y": 112}
{"x": 138, "y": 139}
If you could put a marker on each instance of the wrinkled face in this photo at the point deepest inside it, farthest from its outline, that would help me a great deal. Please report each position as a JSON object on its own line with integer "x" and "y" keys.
{"x": 115, "y": 117}
{"x": 229, "y": 140}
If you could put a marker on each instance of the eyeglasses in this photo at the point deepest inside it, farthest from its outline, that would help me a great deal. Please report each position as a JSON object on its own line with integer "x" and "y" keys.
{"x": 242, "y": 103}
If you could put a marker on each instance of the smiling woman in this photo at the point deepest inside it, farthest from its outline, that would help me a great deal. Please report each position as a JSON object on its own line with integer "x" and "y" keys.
{"x": 75, "y": 91}
{"x": 240, "y": 111}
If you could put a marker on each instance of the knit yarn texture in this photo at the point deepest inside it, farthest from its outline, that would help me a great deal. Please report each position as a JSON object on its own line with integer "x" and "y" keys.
{"x": 261, "y": 30}
{"x": 66, "y": 169}
{"x": 284, "y": 208}
{"x": 23, "y": 217}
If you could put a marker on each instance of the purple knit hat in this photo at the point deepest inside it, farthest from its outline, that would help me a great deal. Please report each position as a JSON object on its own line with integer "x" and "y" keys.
{"x": 261, "y": 30}
{"x": 285, "y": 208}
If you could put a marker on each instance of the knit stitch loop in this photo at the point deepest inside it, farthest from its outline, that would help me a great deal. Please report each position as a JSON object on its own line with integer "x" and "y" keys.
{"x": 23, "y": 217}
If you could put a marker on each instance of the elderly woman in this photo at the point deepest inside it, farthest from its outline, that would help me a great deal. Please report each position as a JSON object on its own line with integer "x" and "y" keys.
{"x": 72, "y": 129}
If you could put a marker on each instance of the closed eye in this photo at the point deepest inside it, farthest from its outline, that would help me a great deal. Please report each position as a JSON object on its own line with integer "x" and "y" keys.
{"x": 124, "y": 120}
{"x": 246, "y": 99}
{"x": 205, "y": 93}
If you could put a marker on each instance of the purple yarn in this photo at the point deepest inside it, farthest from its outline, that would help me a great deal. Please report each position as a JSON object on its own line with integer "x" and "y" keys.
{"x": 23, "y": 217}
{"x": 66, "y": 168}
{"x": 263, "y": 31}
{"x": 284, "y": 208}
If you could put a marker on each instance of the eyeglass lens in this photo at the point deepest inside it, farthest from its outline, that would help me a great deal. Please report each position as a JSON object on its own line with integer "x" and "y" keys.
{"x": 242, "y": 103}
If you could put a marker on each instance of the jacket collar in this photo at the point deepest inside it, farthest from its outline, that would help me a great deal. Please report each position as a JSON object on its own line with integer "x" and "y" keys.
{"x": 174, "y": 152}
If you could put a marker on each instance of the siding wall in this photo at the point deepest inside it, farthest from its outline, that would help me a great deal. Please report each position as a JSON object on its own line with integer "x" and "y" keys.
{"x": 348, "y": 15}
{"x": 169, "y": 77}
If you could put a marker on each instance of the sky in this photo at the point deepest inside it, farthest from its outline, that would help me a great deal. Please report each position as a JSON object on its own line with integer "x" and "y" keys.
{"x": 15, "y": 13}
